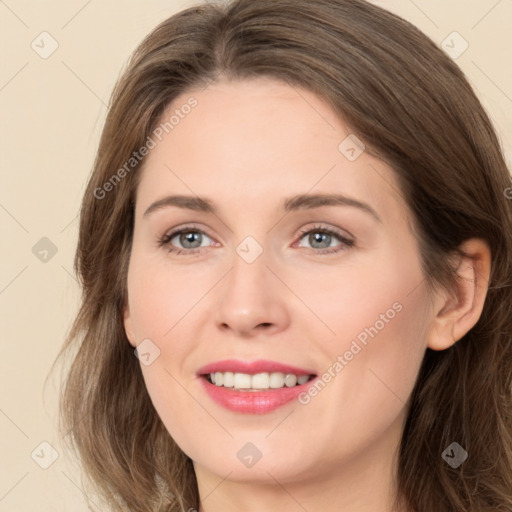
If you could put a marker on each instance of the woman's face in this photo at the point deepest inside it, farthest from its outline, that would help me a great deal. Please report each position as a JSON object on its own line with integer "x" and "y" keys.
{"x": 297, "y": 251}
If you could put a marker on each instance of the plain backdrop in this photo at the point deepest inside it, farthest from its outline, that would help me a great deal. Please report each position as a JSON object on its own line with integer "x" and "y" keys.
{"x": 52, "y": 110}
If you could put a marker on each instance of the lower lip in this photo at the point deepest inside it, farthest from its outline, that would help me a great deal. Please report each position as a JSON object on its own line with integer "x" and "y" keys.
{"x": 254, "y": 402}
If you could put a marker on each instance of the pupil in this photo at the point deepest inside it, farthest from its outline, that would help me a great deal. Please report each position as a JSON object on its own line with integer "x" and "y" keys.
{"x": 189, "y": 237}
{"x": 318, "y": 236}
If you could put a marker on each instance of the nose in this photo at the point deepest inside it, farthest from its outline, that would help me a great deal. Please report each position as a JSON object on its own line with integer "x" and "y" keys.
{"x": 252, "y": 300}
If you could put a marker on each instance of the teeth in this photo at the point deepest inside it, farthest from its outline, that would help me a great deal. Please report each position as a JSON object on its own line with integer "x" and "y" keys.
{"x": 241, "y": 381}
{"x": 276, "y": 380}
{"x": 257, "y": 381}
{"x": 291, "y": 380}
{"x": 229, "y": 379}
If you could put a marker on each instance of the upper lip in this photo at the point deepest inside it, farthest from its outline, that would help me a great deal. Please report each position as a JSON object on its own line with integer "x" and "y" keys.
{"x": 252, "y": 367}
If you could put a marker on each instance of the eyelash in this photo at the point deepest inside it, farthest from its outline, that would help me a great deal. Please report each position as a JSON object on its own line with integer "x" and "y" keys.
{"x": 166, "y": 238}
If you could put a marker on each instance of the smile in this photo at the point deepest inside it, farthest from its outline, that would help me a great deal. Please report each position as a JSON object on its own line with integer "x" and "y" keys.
{"x": 255, "y": 387}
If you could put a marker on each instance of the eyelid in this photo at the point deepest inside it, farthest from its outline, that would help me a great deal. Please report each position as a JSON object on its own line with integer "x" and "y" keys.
{"x": 334, "y": 231}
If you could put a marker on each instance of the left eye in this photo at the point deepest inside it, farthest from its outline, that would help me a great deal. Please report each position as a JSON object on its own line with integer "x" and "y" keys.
{"x": 320, "y": 238}
{"x": 191, "y": 240}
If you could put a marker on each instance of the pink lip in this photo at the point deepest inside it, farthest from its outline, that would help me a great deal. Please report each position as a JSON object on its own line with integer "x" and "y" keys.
{"x": 253, "y": 402}
{"x": 252, "y": 367}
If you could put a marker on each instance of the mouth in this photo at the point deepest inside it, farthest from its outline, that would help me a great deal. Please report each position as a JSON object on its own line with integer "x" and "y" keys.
{"x": 254, "y": 387}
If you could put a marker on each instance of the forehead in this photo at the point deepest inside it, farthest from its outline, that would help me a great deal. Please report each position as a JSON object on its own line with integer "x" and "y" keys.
{"x": 253, "y": 142}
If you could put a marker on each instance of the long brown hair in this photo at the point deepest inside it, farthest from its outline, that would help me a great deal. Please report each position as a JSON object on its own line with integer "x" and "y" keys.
{"x": 414, "y": 109}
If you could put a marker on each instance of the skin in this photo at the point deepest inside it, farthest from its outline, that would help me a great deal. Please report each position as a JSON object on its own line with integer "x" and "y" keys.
{"x": 247, "y": 146}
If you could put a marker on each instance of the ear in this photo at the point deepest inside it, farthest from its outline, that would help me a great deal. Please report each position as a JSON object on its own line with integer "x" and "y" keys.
{"x": 457, "y": 311}
{"x": 127, "y": 320}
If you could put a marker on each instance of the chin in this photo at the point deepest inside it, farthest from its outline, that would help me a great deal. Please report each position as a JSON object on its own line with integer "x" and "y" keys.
{"x": 243, "y": 462}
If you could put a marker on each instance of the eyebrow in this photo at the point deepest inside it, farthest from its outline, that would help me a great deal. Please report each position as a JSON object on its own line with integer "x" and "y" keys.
{"x": 298, "y": 202}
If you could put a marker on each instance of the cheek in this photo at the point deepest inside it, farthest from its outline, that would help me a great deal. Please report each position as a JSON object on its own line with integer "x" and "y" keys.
{"x": 181, "y": 413}
{"x": 378, "y": 358}
{"x": 379, "y": 316}
{"x": 165, "y": 306}
{"x": 162, "y": 295}
{"x": 162, "y": 310}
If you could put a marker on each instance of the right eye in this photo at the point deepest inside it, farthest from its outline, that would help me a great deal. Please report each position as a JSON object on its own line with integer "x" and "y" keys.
{"x": 186, "y": 236}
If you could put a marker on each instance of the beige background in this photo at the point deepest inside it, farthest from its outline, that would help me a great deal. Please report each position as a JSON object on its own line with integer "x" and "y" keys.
{"x": 52, "y": 112}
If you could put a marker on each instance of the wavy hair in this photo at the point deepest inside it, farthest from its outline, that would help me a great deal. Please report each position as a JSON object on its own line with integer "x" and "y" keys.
{"x": 414, "y": 109}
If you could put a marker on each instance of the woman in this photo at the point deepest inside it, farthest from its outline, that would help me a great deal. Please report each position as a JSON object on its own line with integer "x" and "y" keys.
{"x": 297, "y": 222}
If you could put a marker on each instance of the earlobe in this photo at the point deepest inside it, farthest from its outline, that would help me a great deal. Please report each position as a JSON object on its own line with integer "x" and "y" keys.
{"x": 127, "y": 320}
{"x": 457, "y": 311}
